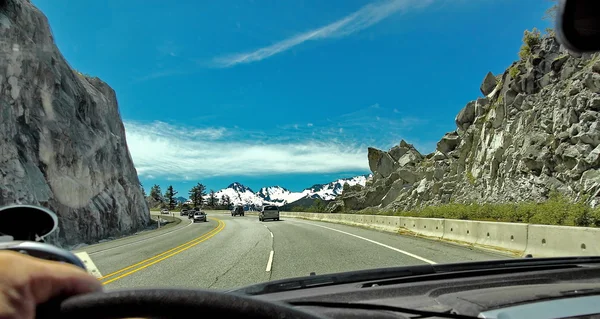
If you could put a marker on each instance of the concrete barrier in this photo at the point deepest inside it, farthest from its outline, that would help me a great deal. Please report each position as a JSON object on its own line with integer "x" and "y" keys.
{"x": 549, "y": 241}
{"x": 511, "y": 237}
{"x": 514, "y": 238}
{"x": 459, "y": 230}
{"x": 387, "y": 223}
{"x": 430, "y": 227}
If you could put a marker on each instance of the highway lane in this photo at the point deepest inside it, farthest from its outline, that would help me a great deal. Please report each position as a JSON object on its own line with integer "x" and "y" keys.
{"x": 112, "y": 256}
{"x": 230, "y": 252}
{"x": 337, "y": 248}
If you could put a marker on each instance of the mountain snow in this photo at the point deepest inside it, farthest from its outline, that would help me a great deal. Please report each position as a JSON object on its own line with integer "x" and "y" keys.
{"x": 334, "y": 189}
{"x": 277, "y": 195}
{"x": 240, "y": 195}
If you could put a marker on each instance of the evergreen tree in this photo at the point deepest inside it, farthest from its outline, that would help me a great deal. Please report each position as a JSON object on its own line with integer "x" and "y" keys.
{"x": 212, "y": 199}
{"x": 170, "y": 197}
{"x": 156, "y": 193}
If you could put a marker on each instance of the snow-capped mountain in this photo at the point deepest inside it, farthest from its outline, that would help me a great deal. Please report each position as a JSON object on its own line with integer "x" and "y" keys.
{"x": 240, "y": 195}
{"x": 332, "y": 190}
{"x": 277, "y": 195}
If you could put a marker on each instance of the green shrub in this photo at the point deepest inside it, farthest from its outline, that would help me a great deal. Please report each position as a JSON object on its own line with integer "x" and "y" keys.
{"x": 426, "y": 163}
{"x": 557, "y": 210}
{"x": 84, "y": 75}
{"x": 530, "y": 40}
{"x": 500, "y": 99}
{"x": 317, "y": 207}
{"x": 514, "y": 71}
{"x": 470, "y": 177}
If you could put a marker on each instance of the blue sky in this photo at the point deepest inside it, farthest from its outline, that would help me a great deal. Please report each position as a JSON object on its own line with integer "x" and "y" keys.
{"x": 286, "y": 93}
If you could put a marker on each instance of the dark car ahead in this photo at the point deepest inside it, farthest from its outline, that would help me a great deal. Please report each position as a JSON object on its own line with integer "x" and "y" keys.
{"x": 237, "y": 210}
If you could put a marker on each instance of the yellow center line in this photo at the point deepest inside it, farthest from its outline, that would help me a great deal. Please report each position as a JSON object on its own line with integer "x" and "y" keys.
{"x": 161, "y": 254}
{"x": 222, "y": 226}
{"x": 173, "y": 251}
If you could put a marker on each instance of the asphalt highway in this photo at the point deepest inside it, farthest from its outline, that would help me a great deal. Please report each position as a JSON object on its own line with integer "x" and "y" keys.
{"x": 228, "y": 252}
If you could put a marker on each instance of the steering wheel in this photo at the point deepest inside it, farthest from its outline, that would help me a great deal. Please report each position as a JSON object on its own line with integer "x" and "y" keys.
{"x": 168, "y": 303}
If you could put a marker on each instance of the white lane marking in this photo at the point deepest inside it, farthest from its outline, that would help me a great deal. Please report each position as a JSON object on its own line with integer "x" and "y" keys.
{"x": 271, "y": 234}
{"x": 89, "y": 264}
{"x": 141, "y": 240}
{"x": 270, "y": 262}
{"x": 376, "y": 243}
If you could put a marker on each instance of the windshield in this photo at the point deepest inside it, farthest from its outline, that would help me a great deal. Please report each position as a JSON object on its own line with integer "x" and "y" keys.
{"x": 378, "y": 133}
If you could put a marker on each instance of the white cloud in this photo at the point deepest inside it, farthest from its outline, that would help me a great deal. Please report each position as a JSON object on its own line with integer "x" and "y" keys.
{"x": 309, "y": 124}
{"x": 356, "y": 21}
{"x": 160, "y": 74}
{"x": 161, "y": 150}
{"x": 169, "y": 48}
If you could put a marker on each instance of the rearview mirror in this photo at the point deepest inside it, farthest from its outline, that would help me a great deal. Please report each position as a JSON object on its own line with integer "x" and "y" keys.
{"x": 578, "y": 25}
{"x": 27, "y": 222}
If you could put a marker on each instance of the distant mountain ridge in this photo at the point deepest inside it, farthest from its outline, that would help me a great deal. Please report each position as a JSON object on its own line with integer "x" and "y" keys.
{"x": 279, "y": 196}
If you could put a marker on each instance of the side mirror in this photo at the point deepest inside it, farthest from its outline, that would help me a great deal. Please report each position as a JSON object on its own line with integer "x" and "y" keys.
{"x": 578, "y": 25}
{"x": 27, "y": 222}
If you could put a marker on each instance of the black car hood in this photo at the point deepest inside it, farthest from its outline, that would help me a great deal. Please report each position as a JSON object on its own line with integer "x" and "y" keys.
{"x": 388, "y": 275}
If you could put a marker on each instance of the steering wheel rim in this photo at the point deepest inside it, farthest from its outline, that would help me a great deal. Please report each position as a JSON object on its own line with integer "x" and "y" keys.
{"x": 174, "y": 303}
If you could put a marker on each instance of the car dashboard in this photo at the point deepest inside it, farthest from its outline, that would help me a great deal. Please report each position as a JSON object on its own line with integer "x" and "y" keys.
{"x": 535, "y": 292}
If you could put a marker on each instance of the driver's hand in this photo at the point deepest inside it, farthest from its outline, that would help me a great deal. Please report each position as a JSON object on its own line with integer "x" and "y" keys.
{"x": 26, "y": 282}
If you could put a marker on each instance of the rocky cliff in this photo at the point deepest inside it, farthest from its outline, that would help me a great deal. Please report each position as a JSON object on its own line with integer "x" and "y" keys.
{"x": 62, "y": 141}
{"x": 535, "y": 129}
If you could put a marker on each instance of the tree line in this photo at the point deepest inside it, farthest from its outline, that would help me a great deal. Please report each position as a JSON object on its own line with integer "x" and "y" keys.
{"x": 197, "y": 196}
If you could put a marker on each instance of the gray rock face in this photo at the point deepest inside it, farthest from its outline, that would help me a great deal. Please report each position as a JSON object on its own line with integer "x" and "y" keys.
{"x": 381, "y": 163}
{"x": 62, "y": 141}
{"x": 537, "y": 130}
{"x": 489, "y": 84}
{"x": 448, "y": 143}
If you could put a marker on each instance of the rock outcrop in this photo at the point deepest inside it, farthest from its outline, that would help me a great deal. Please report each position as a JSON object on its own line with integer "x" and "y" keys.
{"x": 536, "y": 129}
{"x": 62, "y": 141}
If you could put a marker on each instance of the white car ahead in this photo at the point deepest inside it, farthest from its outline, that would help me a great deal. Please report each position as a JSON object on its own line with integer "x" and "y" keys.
{"x": 200, "y": 217}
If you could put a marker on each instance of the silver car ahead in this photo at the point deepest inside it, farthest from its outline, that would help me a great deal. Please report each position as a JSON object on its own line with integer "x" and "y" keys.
{"x": 200, "y": 217}
{"x": 269, "y": 212}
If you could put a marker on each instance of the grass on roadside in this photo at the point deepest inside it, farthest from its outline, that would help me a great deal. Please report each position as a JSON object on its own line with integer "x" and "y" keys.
{"x": 557, "y": 210}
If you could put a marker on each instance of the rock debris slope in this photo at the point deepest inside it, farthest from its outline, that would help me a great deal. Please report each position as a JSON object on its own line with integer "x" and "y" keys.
{"x": 536, "y": 128}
